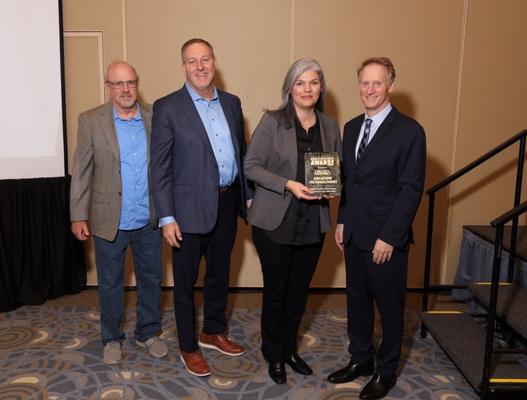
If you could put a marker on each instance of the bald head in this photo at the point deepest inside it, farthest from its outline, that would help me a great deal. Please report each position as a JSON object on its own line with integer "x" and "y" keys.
{"x": 121, "y": 82}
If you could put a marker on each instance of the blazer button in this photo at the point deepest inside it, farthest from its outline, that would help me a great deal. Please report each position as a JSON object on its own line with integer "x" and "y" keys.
{"x": 119, "y": 193}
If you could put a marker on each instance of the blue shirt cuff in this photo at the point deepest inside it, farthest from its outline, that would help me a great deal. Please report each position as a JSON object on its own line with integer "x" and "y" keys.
{"x": 166, "y": 220}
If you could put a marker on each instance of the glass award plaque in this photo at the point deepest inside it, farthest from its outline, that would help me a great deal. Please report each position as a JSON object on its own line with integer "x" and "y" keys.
{"x": 323, "y": 173}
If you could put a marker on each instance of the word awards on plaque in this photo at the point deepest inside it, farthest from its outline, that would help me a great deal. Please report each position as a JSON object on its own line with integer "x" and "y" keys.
{"x": 323, "y": 173}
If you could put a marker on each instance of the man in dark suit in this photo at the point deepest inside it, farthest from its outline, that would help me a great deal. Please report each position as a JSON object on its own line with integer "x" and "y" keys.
{"x": 199, "y": 189}
{"x": 384, "y": 157}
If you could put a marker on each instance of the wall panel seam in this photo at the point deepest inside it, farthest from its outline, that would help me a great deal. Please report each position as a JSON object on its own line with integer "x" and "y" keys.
{"x": 455, "y": 135}
{"x": 123, "y": 20}
{"x": 292, "y": 33}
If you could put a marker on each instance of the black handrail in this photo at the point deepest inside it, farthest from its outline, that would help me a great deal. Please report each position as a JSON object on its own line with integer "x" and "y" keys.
{"x": 509, "y": 215}
{"x": 449, "y": 179}
{"x": 498, "y": 223}
{"x": 521, "y": 137}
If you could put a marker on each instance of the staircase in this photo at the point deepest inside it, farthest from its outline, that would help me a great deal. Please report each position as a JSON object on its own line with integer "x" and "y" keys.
{"x": 463, "y": 338}
{"x": 492, "y": 367}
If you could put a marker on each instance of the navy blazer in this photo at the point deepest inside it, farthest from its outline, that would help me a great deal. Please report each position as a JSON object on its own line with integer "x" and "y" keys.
{"x": 184, "y": 174}
{"x": 382, "y": 191}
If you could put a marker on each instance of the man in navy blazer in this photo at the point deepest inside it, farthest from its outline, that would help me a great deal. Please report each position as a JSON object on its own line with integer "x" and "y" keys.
{"x": 199, "y": 189}
{"x": 384, "y": 157}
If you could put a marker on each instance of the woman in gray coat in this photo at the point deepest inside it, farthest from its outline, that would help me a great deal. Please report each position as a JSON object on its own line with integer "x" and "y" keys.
{"x": 289, "y": 222}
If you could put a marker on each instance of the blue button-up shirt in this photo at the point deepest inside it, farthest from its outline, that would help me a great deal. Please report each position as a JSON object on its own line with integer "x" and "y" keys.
{"x": 217, "y": 128}
{"x": 131, "y": 134}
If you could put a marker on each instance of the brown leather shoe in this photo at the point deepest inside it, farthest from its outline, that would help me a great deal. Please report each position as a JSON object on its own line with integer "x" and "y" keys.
{"x": 221, "y": 343}
{"x": 195, "y": 363}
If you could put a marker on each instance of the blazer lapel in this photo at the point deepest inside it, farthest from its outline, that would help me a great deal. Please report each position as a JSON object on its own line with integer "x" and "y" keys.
{"x": 189, "y": 109}
{"x": 291, "y": 148}
{"x": 108, "y": 128}
{"x": 324, "y": 135}
{"x": 146, "y": 115}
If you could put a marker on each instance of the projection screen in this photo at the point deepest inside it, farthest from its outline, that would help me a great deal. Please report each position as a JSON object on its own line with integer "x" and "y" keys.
{"x": 31, "y": 101}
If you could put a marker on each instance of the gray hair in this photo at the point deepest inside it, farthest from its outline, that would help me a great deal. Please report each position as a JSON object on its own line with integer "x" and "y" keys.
{"x": 293, "y": 73}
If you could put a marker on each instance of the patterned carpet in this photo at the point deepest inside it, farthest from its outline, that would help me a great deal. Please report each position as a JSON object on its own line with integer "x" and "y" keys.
{"x": 53, "y": 352}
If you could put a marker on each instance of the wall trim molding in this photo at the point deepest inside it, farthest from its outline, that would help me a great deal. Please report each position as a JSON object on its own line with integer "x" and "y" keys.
{"x": 100, "y": 53}
{"x": 123, "y": 20}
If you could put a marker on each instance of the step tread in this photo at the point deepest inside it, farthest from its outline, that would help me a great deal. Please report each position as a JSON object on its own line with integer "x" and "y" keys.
{"x": 463, "y": 340}
{"x": 511, "y": 307}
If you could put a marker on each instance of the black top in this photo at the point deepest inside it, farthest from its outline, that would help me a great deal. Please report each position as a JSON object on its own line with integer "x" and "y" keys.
{"x": 301, "y": 223}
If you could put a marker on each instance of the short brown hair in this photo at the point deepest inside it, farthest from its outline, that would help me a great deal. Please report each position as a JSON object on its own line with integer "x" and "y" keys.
{"x": 194, "y": 41}
{"x": 382, "y": 61}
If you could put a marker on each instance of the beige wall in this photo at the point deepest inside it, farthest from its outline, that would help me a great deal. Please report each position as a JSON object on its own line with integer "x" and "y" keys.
{"x": 460, "y": 71}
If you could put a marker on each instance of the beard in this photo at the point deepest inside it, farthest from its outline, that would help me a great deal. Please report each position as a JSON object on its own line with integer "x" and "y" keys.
{"x": 127, "y": 101}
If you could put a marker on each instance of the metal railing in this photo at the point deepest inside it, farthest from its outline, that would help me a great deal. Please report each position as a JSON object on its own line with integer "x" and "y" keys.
{"x": 520, "y": 137}
{"x": 498, "y": 224}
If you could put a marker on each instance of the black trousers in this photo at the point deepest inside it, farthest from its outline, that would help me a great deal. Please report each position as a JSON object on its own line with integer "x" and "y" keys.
{"x": 287, "y": 271}
{"x": 216, "y": 246}
{"x": 386, "y": 284}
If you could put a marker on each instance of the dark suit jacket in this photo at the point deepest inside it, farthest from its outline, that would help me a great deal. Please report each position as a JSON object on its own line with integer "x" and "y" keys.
{"x": 96, "y": 187}
{"x": 184, "y": 174}
{"x": 382, "y": 191}
{"x": 272, "y": 160}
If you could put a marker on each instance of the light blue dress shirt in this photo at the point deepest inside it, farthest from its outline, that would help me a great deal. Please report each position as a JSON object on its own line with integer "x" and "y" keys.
{"x": 217, "y": 127}
{"x": 219, "y": 134}
{"x": 131, "y": 134}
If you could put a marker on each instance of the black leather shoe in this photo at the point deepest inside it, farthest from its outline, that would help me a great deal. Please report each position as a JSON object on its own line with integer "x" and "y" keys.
{"x": 350, "y": 372}
{"x": 298, "y": 365}
{"x": 277, "y": 372}
{"x": 377, "y": 387}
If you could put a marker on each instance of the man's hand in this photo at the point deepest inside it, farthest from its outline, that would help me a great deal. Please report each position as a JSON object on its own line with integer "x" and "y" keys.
{"x": 248, "y": 203}
{"x": 339, "y": 236}
{"x": 172, "y": 234}
{"x": 382, "y": 252}
{"x": 80, "y": 229}
{"x": 301, "y": 191}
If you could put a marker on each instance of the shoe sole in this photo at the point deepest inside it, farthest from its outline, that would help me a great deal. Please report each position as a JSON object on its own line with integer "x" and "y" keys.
{"x": 192, "y": 372}
{"x": 112, "y": 362}
{"x": 213, "y": 347}
{"x": 144, "y": 346}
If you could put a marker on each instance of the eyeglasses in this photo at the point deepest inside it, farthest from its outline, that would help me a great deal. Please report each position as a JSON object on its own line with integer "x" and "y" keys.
{"x": 120, "y": 84}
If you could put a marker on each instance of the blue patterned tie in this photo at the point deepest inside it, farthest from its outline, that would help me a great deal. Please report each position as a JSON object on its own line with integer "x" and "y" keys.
{"x": 365, "y": 136}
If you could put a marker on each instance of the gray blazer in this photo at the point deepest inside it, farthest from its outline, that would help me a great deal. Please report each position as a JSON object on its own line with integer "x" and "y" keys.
{"x": 271, "y": 161}
{"x": 95, "y": 193}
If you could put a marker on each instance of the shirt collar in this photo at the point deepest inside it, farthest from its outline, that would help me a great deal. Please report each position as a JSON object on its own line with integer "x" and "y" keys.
{"x": 380, "y": 116}
{"x": 195, "y": 97}
{"x": 136, "y": 117}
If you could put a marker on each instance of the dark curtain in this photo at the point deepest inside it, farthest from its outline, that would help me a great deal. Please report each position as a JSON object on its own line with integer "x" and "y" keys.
{"x": 39, "y": 256}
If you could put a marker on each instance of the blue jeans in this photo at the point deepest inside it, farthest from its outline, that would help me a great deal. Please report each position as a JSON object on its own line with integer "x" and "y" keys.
{"x": 110, "y": 258}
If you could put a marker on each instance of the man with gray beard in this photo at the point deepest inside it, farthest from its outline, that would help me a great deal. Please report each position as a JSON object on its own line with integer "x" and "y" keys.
{"x": 110, "y": 199}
